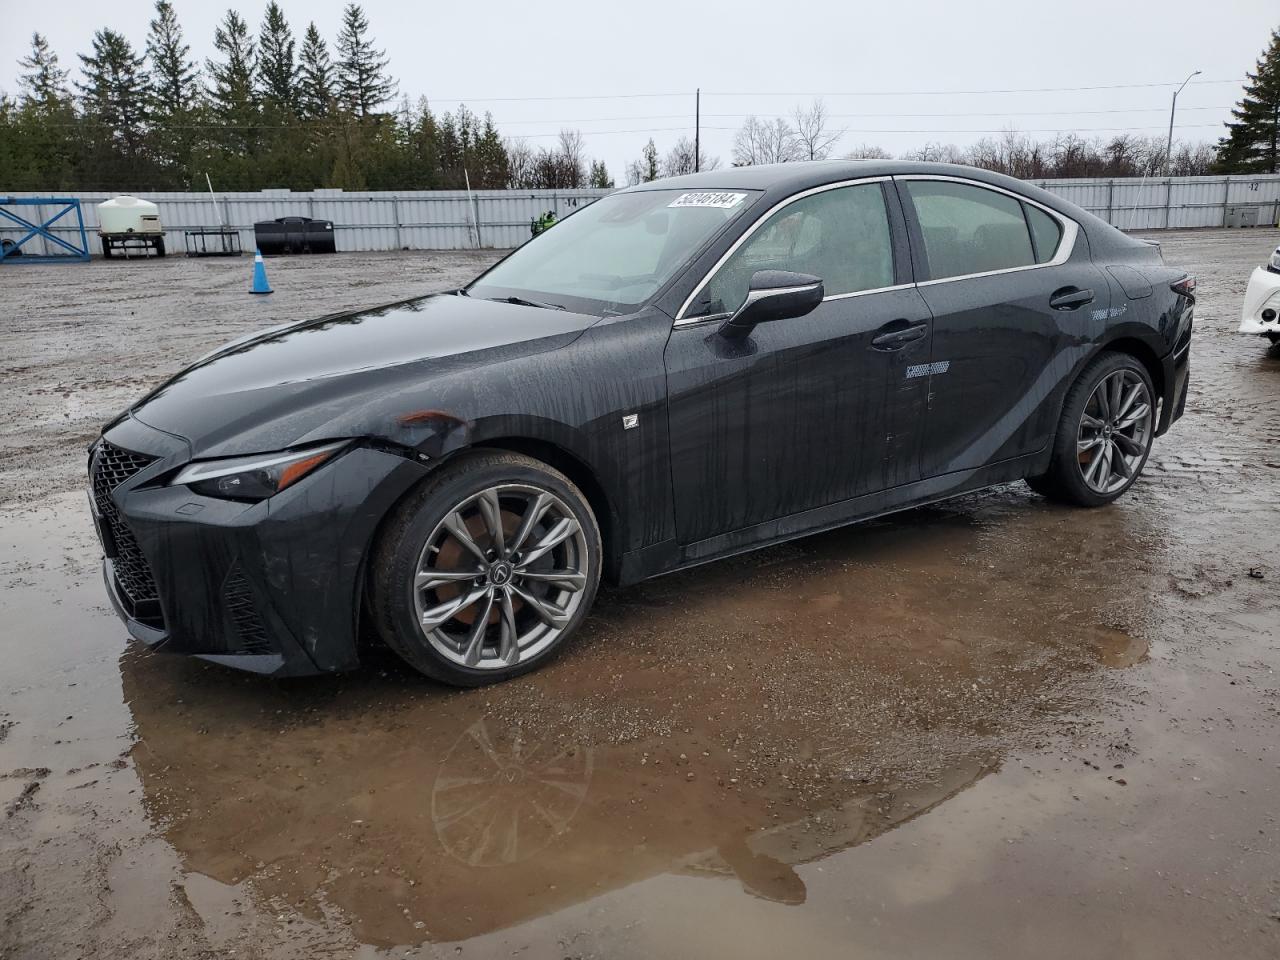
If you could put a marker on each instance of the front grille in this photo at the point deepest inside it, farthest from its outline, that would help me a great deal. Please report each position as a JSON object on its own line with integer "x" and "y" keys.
{"x": 238, "y": 599}
{"x": 112, "y": 466}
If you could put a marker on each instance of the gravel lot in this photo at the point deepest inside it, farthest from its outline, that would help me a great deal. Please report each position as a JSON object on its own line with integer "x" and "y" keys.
{"x": 993, "y": 728}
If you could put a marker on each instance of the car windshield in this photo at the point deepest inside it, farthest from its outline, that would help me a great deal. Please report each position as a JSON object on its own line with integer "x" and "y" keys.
{"x": 613, "y": 255}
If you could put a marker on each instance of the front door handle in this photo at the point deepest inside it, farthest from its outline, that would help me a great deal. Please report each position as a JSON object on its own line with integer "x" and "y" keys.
{"x": 1070, "y": 298}
{"x": 898, "y": 338}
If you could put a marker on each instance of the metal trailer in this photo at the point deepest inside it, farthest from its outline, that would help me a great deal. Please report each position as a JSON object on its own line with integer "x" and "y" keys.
{"x": 212, "y": 242}
{"x": 12, "y": 250}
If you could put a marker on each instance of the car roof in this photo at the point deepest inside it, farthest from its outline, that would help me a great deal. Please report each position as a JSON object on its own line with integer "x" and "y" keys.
{"x": 780, "y": 180}
{"x": 792, "y": 177}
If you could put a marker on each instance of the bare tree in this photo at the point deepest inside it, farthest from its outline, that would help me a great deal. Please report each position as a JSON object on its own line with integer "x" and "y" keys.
{"x": 680, "y": 160}
{"x": 765, "y": 141}
{"x": 520, "y": 163}
{"x": 1192, "y": 160}
{"x": 936, "y": 153}
{"x": 813, "y": 139}
{"x": 572, "y": 148}
{"x": 868, "y": 151}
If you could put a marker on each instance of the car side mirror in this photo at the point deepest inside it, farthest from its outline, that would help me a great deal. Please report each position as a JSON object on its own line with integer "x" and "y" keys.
{"x": 774, "y": 295}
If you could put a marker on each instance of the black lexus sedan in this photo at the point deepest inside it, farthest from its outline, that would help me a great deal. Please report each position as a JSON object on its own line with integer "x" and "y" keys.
{"x": 680, "y": 371}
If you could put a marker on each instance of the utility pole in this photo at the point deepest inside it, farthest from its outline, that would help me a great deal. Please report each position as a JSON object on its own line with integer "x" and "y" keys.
{"x": 697, "y": 129}
{"x": 1168, "y": 149}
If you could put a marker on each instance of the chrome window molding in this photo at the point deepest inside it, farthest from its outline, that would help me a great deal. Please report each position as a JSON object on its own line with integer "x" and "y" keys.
{"x": 1066, "y": 243}
{"x": 683, "y": 321}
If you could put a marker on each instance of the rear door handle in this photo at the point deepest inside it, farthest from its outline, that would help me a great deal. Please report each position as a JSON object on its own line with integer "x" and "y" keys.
{"x": 896, "y": 339}
{"x": 1070, "y": 298}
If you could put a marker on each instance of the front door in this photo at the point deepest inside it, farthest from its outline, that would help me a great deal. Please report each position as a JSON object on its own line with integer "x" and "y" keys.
{"x": 808, "y": 411}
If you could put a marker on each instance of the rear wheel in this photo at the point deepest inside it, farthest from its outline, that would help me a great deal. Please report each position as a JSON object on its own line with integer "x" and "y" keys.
{"x": 485, "y": 572}
{"x": 1105, "y": 434}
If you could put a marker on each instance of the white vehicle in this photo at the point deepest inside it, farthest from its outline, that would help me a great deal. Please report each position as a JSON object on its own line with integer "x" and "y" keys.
{"x": 1261, "y": 312}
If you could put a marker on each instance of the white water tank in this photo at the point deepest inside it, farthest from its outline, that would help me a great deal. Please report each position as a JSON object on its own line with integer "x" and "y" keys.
{"x": 125, "y": 215}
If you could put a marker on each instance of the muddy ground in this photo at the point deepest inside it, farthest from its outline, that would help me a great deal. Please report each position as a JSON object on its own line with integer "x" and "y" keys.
{"x": 993, "y": 728}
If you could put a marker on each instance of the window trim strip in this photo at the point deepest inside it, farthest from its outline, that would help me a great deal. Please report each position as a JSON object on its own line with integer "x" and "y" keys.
{"x": 1066, "y": 244}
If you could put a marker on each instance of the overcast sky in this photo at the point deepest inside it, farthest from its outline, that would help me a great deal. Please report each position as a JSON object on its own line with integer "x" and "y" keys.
{"x": 897, "y": 75}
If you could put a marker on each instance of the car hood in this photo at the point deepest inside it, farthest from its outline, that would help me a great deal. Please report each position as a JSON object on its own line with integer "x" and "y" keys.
{"x": 323, "y": 378}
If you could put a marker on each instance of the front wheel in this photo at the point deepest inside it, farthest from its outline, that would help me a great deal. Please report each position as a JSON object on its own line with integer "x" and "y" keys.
{"x": 1105, "y": 434}
{"x": 484, "y": 572}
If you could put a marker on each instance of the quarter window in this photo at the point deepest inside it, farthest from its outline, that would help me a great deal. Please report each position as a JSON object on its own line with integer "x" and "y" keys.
{"x": 968, "y": 229}
{"x": 840, "y": 235}
{"x": 1046, "y": 233}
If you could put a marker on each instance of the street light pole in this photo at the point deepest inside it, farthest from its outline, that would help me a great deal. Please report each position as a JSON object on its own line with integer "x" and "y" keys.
{"x": 697, "y": 129}
{"x": 1168, "y": 148}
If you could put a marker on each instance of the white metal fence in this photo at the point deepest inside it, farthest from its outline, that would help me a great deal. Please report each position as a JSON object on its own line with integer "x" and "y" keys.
{"x": 410, "y": 220}
{"x": 454, "y": 219}
{"x": 1158, "y": 203}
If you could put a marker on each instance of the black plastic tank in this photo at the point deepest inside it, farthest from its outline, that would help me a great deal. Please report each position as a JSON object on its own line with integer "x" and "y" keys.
{"x": 294, "y": 235}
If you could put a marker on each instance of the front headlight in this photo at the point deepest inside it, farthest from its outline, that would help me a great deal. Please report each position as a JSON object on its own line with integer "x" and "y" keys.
{"x": 255, "y": 477}
{"x": 1274, "y": 265}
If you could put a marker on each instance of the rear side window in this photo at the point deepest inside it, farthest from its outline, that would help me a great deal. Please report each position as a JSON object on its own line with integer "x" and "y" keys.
{"x": 840, "y": 235}
{"x": 1046, "y": 233}
{"x": 969, "y": 229}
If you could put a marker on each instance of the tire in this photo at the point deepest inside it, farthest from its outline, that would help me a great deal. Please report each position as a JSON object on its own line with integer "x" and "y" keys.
{"x": 1082, "y": 475}
{"x": 159, "y": 245}
{"x": 477, "y": 622}
{"x": 106, "y": 248}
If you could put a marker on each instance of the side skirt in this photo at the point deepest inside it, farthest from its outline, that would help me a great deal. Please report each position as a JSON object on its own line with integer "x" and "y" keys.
{"x": 670, "y": 556}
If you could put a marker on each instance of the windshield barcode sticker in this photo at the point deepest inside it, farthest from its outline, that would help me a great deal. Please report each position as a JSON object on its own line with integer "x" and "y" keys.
{"x": 719, "y": 199}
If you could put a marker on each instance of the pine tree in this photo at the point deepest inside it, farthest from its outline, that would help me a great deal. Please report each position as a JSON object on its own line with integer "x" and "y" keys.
{"x": 39, "y": 136}
{"x": 315, "y": 75}
{"x": 644, "y": 170}
{"x": 492, "y": 167}
{"x": 277, "y": 68}
{"x": 363, "y": 83}
{"x": 600, "y": 178}
{"x": 232, "y": 91}
{"x": 44, "y": 84}
{"x": 173, "y": 74}
{"x": 1252, "y": 143}
{"x": 114, "y": 94}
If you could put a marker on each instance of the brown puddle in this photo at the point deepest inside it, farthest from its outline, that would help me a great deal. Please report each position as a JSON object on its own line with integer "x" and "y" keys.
{"x": 739, "y": 721}
{"x": 991, "y": 729}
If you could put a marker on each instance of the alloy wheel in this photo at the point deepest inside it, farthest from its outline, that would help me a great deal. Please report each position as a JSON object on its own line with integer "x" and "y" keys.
{"x": 500, "y": 577}
{"x": 1115, "y": 431}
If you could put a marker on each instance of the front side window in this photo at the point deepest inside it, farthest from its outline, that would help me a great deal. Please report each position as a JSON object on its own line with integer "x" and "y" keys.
{"x": 614, "y": 255}
{"x": 969, "y": 229}
{"x": 841, "y": 235}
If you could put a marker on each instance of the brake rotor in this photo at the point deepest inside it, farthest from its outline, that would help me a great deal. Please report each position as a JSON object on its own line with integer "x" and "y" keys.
{"x": 453, "y": 555}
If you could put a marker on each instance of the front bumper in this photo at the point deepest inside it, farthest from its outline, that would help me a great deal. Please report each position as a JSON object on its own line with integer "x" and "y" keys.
{"x": 273, "y": 587}
{"x": 1262, "y": 297}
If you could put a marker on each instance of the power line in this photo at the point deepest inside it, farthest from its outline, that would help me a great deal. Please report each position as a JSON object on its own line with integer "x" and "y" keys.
{"x": 856, "y": 93}
{"x": 689, "y": 126}
{"x": 846, "y": 116}
{"x": 948, "y": 93}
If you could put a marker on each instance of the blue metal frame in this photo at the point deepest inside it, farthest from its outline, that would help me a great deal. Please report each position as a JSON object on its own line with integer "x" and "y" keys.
{"x": 76, "y": 254}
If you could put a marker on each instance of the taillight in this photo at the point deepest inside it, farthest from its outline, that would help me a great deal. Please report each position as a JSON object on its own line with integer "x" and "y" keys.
{"x": 1185, "y": 287}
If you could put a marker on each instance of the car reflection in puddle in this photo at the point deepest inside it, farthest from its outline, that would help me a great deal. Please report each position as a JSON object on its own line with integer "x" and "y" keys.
{"x": 755, "y": 716}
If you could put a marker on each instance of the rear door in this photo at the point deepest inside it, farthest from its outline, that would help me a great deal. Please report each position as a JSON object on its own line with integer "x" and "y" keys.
{"x": 812, "y": 410}
{"x": 1014, "y": 297}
